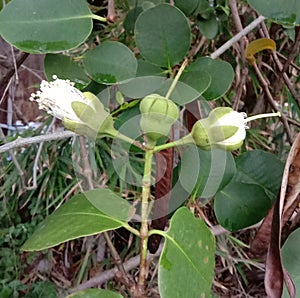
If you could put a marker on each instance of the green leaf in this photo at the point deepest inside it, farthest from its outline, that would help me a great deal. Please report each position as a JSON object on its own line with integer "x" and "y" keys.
{"x": 199, "y": 80}
{"x": 239, "y": 205}
{"x": 187, "y": 6}
{"x": 206, "y": 171}
{"x": 221, "y": 74}
{"x": 155, "y": 35}
{"x": 141, "y": 86}
{"x": 130, "y": 19}
{"x": 203, "y": 8}
{"x": 110, "y": 203}
{"x": 291, "y": 259}
{"x": 261, "y": 168}
{"x": 146, "y": 68}
{"x": 110, "y": 62}
{"x": 210, "y": 27}
{"x": 42, "y": 26}
{"x": 95, "y": 293}
{"x": 182, "y": 93}
{"x": 64, "y": 68}
{"x": 279, "y": 10}
{"x": 187, "y": 261}
{"x": 76, "y": 218}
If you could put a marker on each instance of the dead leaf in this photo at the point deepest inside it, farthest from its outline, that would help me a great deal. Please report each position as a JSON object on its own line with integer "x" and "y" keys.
{"x": 163, "y": 186}
{"x": 283, "y": 209}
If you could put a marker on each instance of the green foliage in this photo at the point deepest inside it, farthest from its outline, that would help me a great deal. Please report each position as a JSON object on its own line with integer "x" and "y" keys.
{"x": 187, "y": 259}
{"x": 279, "y": 11}
{"x": 110, "y": 63}
{"x": 155, "y": 38}
{"x": 65, "y": 67}
{"x": 220, "y": 72}
{"x": 291, "y": 259}
{"x": 122, "y": 63}
{"x": 203, "y": 172}
{"x": 67, "y": 24}
{"x": 76, "y": 218}
{"x": 261, "y": 168}
{"x": 241, "y": 205}
{"x": 251, "y": 192}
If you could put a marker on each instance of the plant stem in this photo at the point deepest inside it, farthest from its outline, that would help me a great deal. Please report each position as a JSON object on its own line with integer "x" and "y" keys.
{"x": 179, "y": 73}
{"x": 96, "y": 17}
{"x": 188, "y": 139}
{"x": 144, "y": 224}
{"x": 129, "y": 140}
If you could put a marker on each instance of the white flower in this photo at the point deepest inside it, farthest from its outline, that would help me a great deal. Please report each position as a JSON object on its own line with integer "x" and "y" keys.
{"x": 233, "y": 126}
{"x": 56, "y": 98}
{"x": 224, "y": 128}
{"x": 80, "y": 112}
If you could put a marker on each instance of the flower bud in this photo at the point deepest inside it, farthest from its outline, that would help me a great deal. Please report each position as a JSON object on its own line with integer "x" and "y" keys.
{"x": 223, "y": 128}
{"x": 158, "y": 114}
{"x": 95, "y": 116}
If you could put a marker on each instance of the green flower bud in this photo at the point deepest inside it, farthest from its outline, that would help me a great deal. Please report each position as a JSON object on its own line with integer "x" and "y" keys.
{"x": 224, "y": 128}
{"x": 158, "y": 114}
{"x": 95, "y": 116}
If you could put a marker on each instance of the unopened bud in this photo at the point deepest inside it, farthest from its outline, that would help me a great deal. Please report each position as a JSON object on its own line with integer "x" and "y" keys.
{"x": 158, "y": 114}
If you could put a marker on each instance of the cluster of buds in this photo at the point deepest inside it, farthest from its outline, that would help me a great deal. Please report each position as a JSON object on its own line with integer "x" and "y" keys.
{"x": 84, "y": 114}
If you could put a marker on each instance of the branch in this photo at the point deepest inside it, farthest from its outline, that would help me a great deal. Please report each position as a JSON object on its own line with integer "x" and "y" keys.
{"x": 237, "y": 37}
{"x": 20, "y": 142}
{"x": 10, "y": 72}
{"x": 111, "y": 273}
{"x": 36, "y": 160}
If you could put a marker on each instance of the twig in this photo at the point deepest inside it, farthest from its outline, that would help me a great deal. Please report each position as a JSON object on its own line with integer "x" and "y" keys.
{"x": 272, "y": 102}
{"x": 109, "y": 274}
{"x": 21, "y": 142}
{"x": 281, "y": 67}
{"x": 111, "y": 12}
{"x": 14, "y": 159}
{"x": 237, "y": 37}
{"x": 87, "y": 172}
{"x": 244, "y": 72}
{"x": 10, "y": 72}
{"x": 294, "y": 51}
{"x": 36, "y": 160}
{"x": 285, "y": 59}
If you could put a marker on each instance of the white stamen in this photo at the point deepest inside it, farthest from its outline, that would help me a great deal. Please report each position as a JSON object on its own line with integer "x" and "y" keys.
{"x": 56, "y": 97}
{"x": 262, "y": 116}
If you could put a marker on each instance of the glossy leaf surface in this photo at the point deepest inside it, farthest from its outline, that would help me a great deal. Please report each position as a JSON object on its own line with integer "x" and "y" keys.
{"x": 163, "y": 35}
{"x": 221, "y": 74}
{"x": 261, "y": 168}
{"x": 64, "y": 68}
{"x": 239, "y": 205}
{"x": 287, "y": 13}
{"x": 42, "y": 26}
{"x": 204, "y": 172}
{"x": 75, "y": 219}
{"x": 110, "y": 62}
{"x": 291, "y": 259}
{"x": 187, "y": 260}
